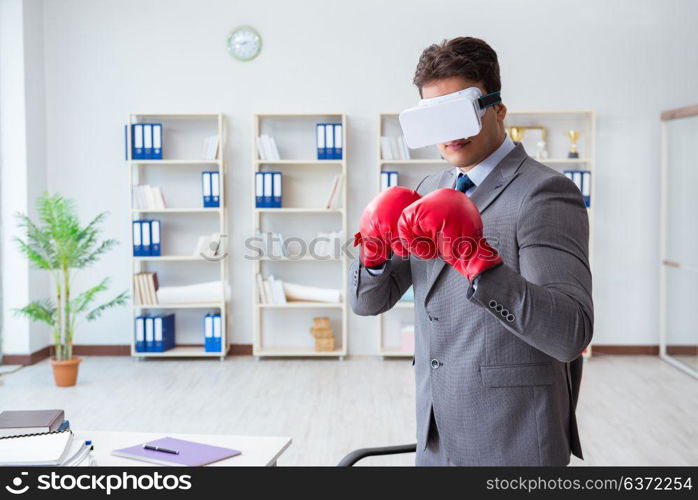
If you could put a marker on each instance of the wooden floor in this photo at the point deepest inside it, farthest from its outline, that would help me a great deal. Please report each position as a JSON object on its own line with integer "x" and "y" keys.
{"x": 633, "y": 410}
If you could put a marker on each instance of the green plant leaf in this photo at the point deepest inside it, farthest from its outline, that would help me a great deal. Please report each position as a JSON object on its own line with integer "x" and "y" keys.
{"x": 43, "y": 310}
{"x": 119, "y": 300}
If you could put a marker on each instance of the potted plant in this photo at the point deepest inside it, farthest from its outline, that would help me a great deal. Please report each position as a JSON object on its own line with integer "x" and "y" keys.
{"x": 60, "y": 245}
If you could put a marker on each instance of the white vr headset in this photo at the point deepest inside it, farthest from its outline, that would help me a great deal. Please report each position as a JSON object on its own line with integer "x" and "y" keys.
{"x": 446, "y": 117}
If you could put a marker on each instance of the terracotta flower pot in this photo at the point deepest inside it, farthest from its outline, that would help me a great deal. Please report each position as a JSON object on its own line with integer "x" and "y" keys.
{"x": 65, "y": 373}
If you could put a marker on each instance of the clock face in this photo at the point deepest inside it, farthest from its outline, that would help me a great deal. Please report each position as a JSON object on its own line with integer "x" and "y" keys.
{"x": 244, "y": 43}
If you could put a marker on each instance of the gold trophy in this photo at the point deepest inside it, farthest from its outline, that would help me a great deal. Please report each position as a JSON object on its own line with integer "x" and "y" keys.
{"x": 573, "y": 135}
{"x": 516, "y": 133}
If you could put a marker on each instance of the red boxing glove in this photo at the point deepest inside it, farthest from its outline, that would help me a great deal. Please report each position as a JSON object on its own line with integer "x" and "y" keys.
{"x": 378, "y": 227}
{"x": 447, "y": 224}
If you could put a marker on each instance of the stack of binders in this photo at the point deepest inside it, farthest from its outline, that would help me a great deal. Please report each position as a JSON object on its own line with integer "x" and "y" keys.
{"x": 146, "y": 238}
{"x": 582, "y": 178}
{"x": 213, "y": 333}
{"x": 155, "y": 333}
{"x": 210, "y": 189}
{"x": 388, "y": 179}
{"x": 146, "y": 141}
{"x": 329, "y": 141}
{"x": 268, "y": 189}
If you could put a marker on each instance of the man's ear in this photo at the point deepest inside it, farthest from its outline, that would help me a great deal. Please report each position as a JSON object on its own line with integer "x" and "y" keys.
{"x": 501, "y": 111}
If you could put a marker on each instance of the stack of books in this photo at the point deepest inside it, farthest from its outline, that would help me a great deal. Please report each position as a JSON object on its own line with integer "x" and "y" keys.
{"x": 268, "y": 189}
{"x": 323, "y": 334}
{"x": 38, "y": 438}
{"x": 155, "y": 333}
{"x": 146, "y": 141}
{"x": 394, "y": 148}
{"x": 267, "y": 148}
{"x": 329, "y": 141}
{"x": 272, "y": 244}
{"x": 326, "y": 245}
{"x": 211, "y": 189}
{"x": 145, "y": 287}
{"x": 148, "y": 197}
{"x": 146, "y": 238}
{"x": 271, "y": 290}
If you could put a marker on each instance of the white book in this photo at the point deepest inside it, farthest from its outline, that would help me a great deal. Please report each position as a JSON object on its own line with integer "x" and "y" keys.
{"x": 267, "y": 292}
{"x": 336, "y": 192}
{"x": 405, "y": 149}
{"x": 274, "y": 149}
{"x": 159, "y": 198}
{"x": 277, "y": 289}
{"x": 149, "y": 197}
{"x": 266, "y": 144}
{"x": 333, "y": 188}
{"x": 385, "y": 148}
{"x": 260, "y": 149}
{"x": 260, "y": 289}
{"x": 397, "y": 153}
{"x": 49, "y": 448}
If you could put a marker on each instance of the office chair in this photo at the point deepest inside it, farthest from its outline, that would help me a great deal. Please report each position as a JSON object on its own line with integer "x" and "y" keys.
{"x": 357, "y": 455}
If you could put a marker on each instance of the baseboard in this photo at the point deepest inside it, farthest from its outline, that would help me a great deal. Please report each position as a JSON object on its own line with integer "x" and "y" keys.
{"x": 246, "y": 350}
{"x": 100, "y": 350}
{"x": 651, "y": 350}
{"x": 26, "y": 359}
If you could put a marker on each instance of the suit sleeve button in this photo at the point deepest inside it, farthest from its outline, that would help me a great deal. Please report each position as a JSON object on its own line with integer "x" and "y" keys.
{"x": 492, "y": 304}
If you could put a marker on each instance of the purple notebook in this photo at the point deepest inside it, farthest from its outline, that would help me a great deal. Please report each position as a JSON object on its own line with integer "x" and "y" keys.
{"x": 190, "y": 453}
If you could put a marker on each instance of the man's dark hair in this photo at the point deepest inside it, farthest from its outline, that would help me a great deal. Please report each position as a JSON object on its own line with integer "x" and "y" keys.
{"x": 464, "y": 56}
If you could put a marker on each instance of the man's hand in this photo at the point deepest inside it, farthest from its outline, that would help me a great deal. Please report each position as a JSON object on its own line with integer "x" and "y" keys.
{"x": 378, "y": 227}
{"x": 447, "y": 224}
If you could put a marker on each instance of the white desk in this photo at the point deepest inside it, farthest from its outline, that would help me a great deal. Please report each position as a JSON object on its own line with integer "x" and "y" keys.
{"x": 256, "y": 450}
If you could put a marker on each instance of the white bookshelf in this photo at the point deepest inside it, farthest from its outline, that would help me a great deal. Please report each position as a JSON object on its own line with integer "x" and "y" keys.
{"x": 557, "y": 122}
{"x": 179, "y": 176}
{"x": 428, "y": 160}
{"x": 283, "y": 330}
{"x": 422, "y": 162}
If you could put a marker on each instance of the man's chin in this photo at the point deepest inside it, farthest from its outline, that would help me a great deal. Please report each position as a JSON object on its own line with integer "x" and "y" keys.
{"x": 459, "y": 160}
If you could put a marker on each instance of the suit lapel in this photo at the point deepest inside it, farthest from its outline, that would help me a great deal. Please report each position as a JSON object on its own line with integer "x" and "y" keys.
{"x": 483, "y": 196}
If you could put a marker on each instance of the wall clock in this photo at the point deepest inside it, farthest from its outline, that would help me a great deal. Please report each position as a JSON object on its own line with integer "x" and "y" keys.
{"x": 244, "y": 43}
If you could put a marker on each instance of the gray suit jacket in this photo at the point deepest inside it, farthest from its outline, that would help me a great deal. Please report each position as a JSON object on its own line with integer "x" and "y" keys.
{"x": 500, "y": 363}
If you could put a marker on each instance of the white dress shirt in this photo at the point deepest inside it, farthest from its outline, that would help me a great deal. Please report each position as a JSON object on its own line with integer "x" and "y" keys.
{"x": 479, "y": 172}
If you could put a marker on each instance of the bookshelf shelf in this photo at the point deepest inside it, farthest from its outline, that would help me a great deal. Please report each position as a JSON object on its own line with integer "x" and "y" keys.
{"x": 171, "y": 258}
{"x": 178, "y": 210}
{"x": 179, "y": 352}
{"x": 183, "y": 305}
{"x": 189, "y": 130}
{"x": 295, "y": 133}
{"x": 435, "y": 161}
{"x": 304, "y": 258}
{"x": 300, "y": 162}
{"x": 175, "y": 162}
{"x": 298, "y": 352}
{"x": 300, "y": 210}
{"x": 303, "y": 305}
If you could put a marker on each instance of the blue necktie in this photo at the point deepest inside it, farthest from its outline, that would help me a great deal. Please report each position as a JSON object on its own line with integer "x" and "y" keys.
{"x": 464, "y": 183}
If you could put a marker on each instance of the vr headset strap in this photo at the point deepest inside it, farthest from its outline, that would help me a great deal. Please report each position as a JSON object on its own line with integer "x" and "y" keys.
{"x": 490, "y": 99}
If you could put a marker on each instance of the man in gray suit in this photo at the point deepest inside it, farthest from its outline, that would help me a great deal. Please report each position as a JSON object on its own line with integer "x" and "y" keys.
{"x": 498, "y": 344}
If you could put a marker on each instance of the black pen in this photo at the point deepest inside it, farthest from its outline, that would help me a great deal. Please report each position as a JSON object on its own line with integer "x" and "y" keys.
{"x": 160, "y": 448}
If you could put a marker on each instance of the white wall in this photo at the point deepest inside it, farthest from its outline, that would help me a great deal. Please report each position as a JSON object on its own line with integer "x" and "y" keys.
{"x": 628, "y": 60}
